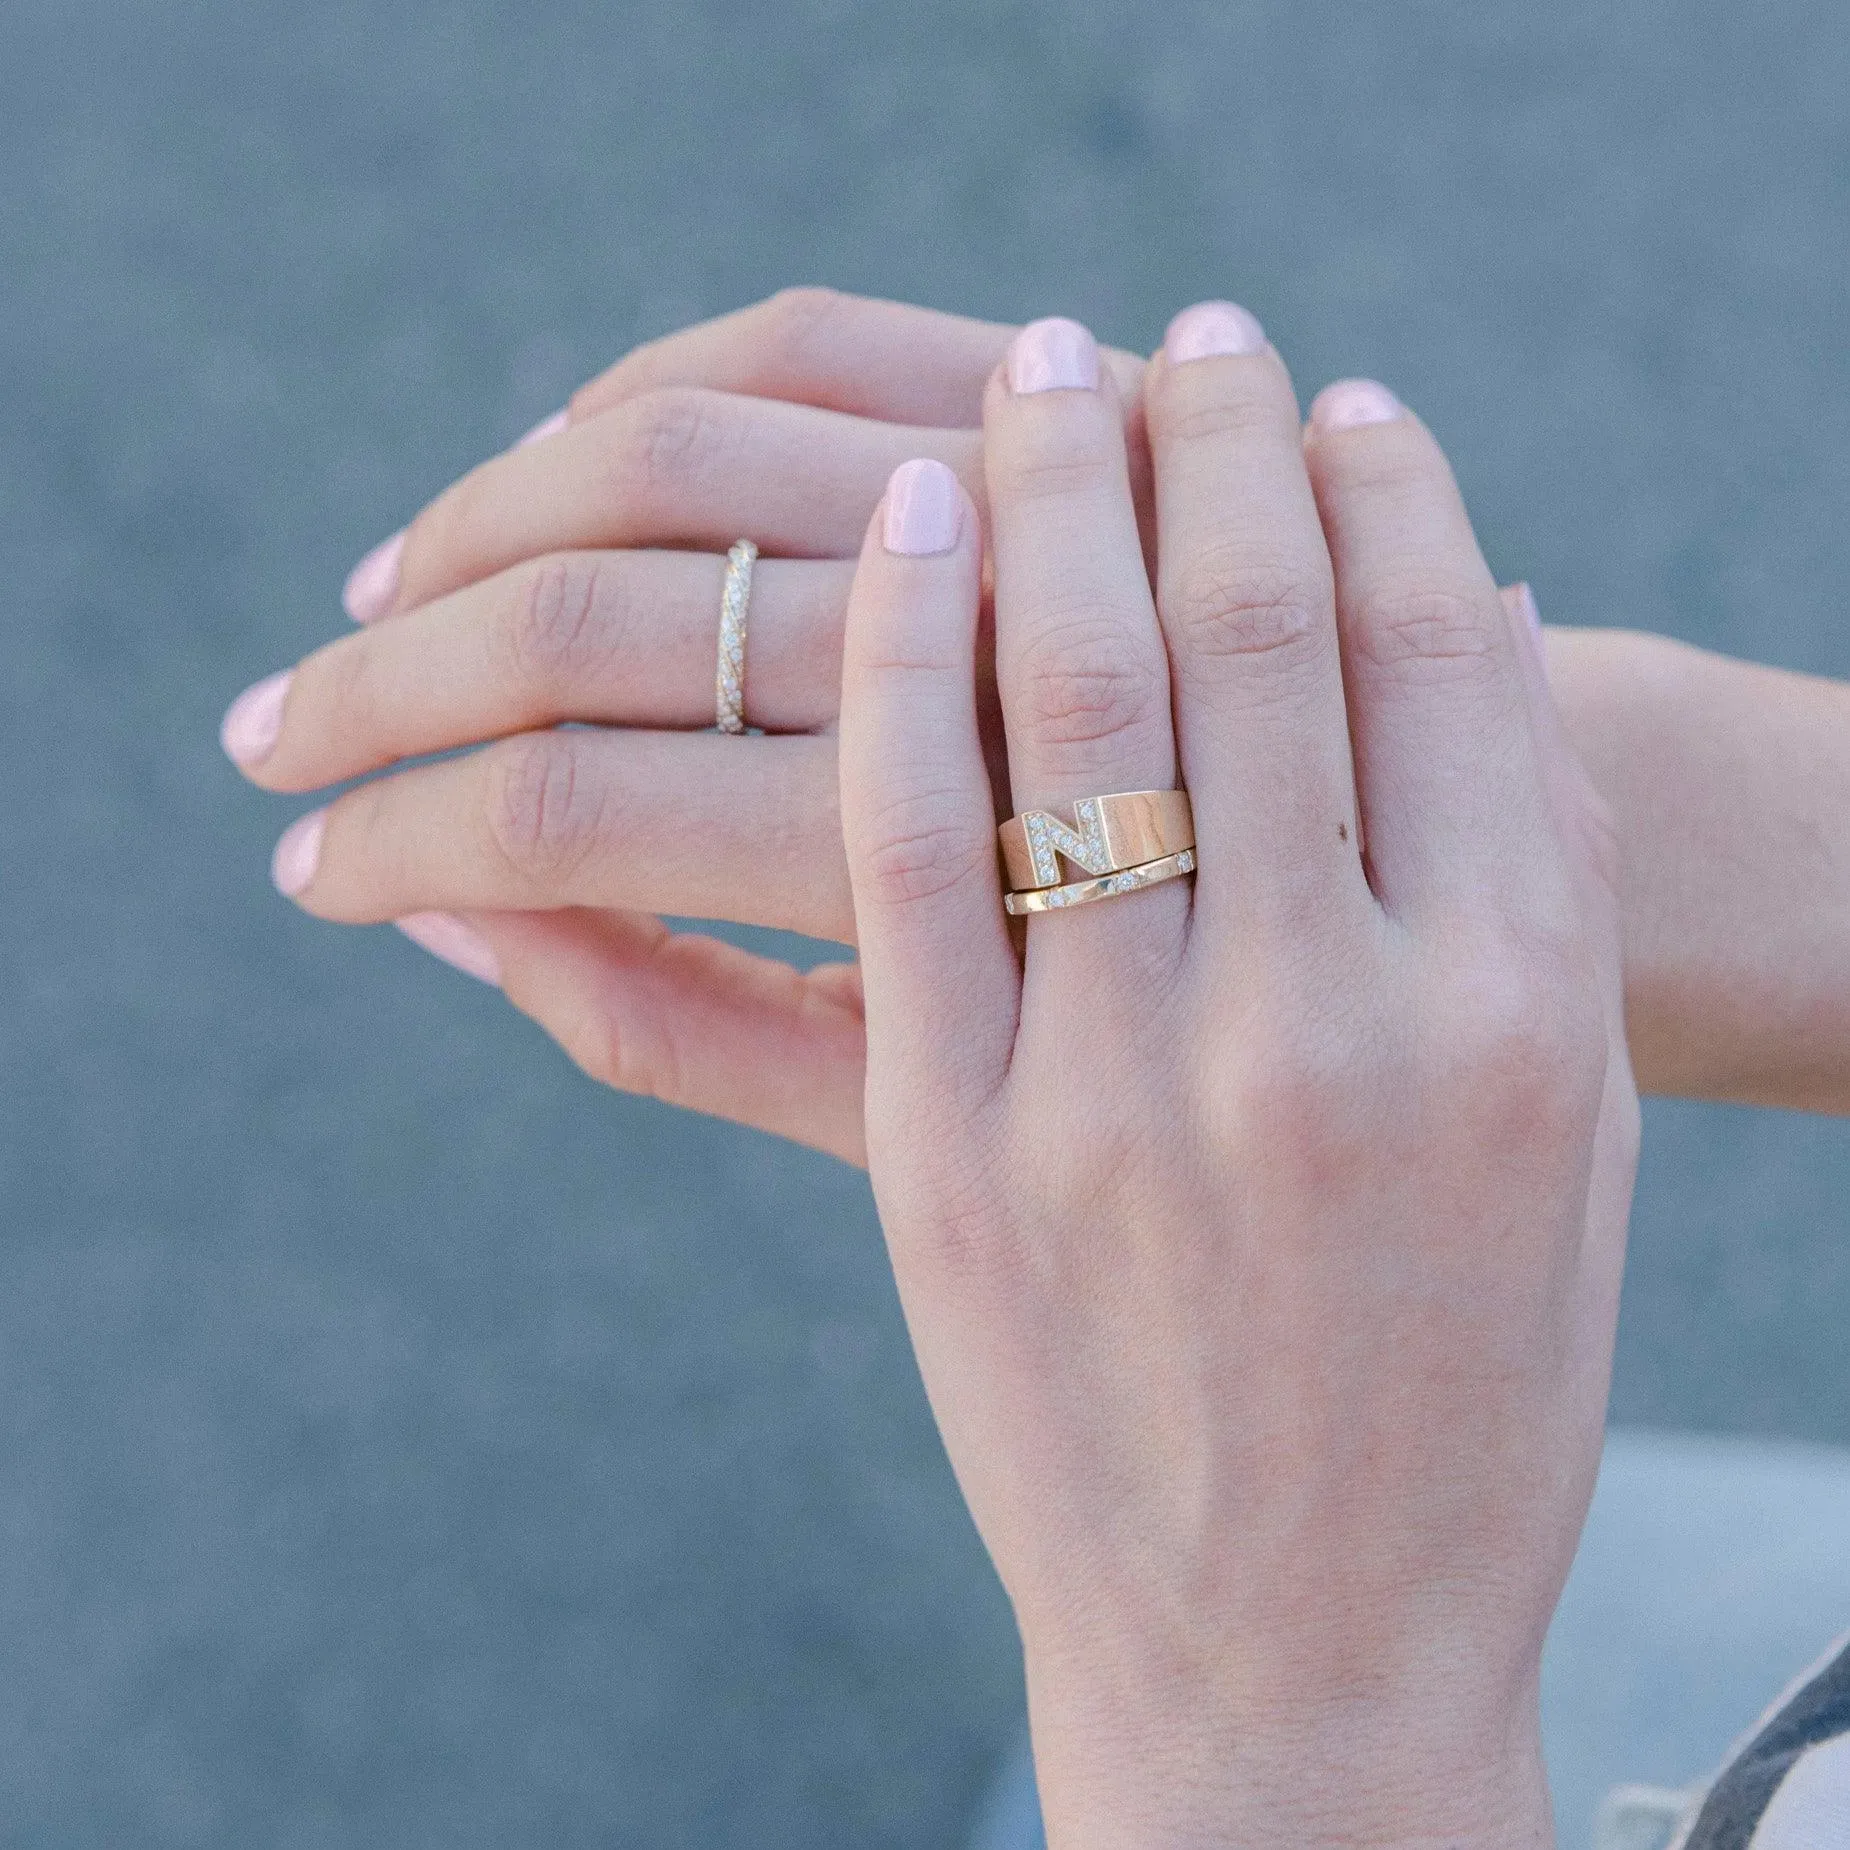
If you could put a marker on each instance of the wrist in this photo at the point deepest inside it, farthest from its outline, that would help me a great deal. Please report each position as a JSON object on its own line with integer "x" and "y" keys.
{"x": 1364, "y": 1774}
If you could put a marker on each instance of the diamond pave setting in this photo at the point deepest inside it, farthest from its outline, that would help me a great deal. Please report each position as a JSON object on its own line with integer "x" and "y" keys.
{"x": 1049, "y": 838}
{"x": 729, "y": 685}
{"x": 1084, "y": 892}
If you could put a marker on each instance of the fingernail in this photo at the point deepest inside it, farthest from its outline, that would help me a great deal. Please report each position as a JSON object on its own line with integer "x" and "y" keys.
{"x": 1055, "y": 355}
{"x": 373, "y": 583}
{"x": 924, "y": 509}
{"x": 444, "y": 935}
{"x": 1350, "y": 402}
{"x": 254, "y": 721}
{"x": 546, "y": 427}
{"x": 298, "y": 853}
{"x": 1212, "y": 331}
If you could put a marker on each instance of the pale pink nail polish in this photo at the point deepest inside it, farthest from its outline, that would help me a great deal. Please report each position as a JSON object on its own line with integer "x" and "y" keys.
{"x": 924, "y": 509}
{"x": 1212, "y": 331}
{"x": 373, "y": 583}
{"x": 254, "y": 721}
{"x": 546, "y": 427}
{"x": 1350, "y": 402}
{"x": 1055, "y": 355}
{"x": 298, "y": 853}
{"x": 444, "y": 935}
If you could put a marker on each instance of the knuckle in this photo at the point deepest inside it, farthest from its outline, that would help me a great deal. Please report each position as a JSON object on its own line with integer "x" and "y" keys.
{"x": 546, "y": 816}
{"x": 965, "y": 1246}
{"x": 1426, "y": 631}
{"x": 921, "y": 846}
{"x": 1086, "y": 680}
{"x": 1223, "y": 607}
{"x": 793, "y": 322}
{"x": 1523, "y": 1046}
{"x": 1307, "y": 1093}
{"x": 628, "y": 1053}
{"x": 352, "y": 686}
{"x": 671, "y": 438}
{"x": 565, "y": 618}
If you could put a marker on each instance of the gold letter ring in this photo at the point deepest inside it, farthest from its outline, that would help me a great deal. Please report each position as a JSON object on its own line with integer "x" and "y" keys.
{"x": 1147, "y": 833}
{"x": 1084, "y": 892}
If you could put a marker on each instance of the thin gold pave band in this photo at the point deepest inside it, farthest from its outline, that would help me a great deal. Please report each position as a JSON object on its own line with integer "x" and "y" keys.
{"x": 1106, "y": 835}
{"x": 735, "y": 602}
{"x": 1085, "y": 892}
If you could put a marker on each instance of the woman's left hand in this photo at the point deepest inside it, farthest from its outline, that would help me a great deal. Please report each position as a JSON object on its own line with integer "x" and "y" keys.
{"x": 552, "y": 585}
{"x": 1260, "y": 1239}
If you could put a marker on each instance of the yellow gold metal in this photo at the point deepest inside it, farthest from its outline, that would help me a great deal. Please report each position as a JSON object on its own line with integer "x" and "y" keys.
{"x": 1084, "y": 892}
{"x": 735, "y": 602}
{"x": 1106, "y": 835}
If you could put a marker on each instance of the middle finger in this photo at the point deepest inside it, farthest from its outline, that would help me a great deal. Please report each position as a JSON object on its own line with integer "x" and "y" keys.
{"x": 678, "y": 466}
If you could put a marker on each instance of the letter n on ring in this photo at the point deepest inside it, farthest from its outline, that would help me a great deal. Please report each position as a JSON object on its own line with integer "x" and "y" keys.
{"x": 1049, "y": 838}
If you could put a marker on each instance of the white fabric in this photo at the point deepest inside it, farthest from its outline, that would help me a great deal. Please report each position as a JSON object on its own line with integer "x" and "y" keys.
{"x": 1643, "y": 1817}
{"x": 1811, "y": 1809}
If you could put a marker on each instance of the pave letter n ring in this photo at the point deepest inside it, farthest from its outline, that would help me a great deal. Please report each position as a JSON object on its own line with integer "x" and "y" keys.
{"x": 1128, "y": 841}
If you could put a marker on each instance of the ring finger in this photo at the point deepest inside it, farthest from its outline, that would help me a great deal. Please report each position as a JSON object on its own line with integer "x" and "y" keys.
{"x": 617, "y": 638}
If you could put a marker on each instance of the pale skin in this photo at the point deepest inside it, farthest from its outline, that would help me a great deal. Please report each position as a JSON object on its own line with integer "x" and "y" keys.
{"x": 1260, "y": 1237}
{"x": 556, "y": 583}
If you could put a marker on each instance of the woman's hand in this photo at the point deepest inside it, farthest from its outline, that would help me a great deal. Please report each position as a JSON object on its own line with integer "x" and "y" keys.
{"x": 1730, "y": 784}
{"x": 1260, "y": 1242}
{"x": 539, "y": 591}
{"x": 548, "y": 587}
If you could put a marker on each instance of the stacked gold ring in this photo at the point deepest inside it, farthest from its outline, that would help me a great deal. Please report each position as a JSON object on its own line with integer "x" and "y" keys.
{"x": 1124, "y": 842}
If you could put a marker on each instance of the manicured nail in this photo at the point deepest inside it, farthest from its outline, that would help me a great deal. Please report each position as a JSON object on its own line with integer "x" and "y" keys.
{"x": 546, "y": 427}
{"x": 293, "y": 864}
{"x": 444, "y": 935}
{"x": 1350, "y": 402}
{"x": 924, "y": 509}
{"x": 1212, "y": 331}
{"x": 1055, "y": 355}
{"x": 373, "y": 583}
{"x": 254, "y": 721}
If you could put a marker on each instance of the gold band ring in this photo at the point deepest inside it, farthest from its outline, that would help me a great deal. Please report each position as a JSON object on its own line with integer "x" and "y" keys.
{"x": 1084, "y": 892}
{"x": 1107, "y": 835}
{"x": 735, "y": 601}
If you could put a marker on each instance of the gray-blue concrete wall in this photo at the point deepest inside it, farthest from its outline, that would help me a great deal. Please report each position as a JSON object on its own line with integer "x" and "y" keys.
{"x": 402, "y": 1442}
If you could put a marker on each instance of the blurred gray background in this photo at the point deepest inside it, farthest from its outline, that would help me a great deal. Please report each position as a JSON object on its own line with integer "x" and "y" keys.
{"x": 404, "y": 1442}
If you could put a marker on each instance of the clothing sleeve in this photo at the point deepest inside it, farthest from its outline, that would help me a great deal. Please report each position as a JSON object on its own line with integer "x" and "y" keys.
{"x": 1787, "y": 1787}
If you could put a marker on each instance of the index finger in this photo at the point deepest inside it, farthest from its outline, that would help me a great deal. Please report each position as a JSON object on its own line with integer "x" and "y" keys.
{"x": 885, "y": 360}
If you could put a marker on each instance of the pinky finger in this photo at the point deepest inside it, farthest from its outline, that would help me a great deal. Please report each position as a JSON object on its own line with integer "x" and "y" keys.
{"x": 688, "y": 1019}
